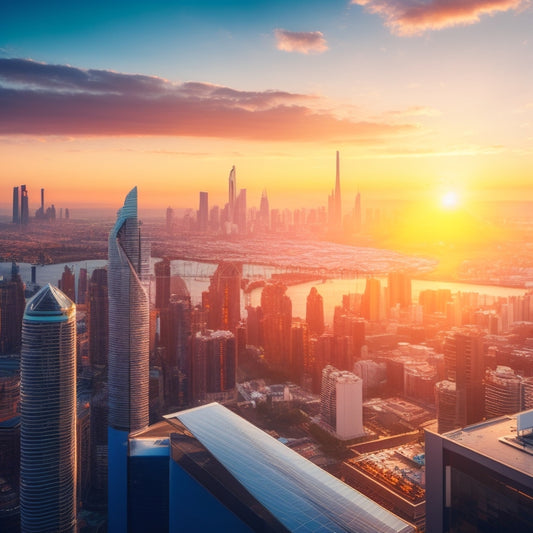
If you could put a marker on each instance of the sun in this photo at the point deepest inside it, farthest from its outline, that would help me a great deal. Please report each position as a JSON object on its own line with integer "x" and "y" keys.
{"x": 449, "y": 200}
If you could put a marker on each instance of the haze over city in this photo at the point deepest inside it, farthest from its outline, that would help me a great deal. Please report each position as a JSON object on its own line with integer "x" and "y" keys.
{"x": 266, "y": 266}
{"x": 422, "y": 99}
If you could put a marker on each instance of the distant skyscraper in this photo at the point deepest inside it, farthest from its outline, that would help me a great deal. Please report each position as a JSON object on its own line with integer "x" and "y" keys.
{"x": 170, "y": 218}
{"x": 98, "y": 317}
{"x": 371, "y": 301}
{"x": 162, "y": 283}
{"x": 48, "y": 413}
{"x": 399, "y": 285}
{"x": 67, "y": 283}
{"x": 240, "y": 211}
{"x": 203, "y": 212}
{"x": 128, "y": 379}
{"x": 276, "y": 325}
{"x": 213, "y": 366}
{"x": 16, "y": 215}
{"x": 315, "y": 312}
{"x": 465, "y": 370}
{"x": 224, "y": 297}
{"x": 24, "y": 208}
{"x": 12, "y": 304}
{"x": 264, "y": 213}
{"x": 232, "y": 194}
{"x": 82, "y": 286}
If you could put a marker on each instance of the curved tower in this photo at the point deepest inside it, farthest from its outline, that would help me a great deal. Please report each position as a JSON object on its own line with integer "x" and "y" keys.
{"x": 48, "y": 413}
{"x": 128, "y": 361}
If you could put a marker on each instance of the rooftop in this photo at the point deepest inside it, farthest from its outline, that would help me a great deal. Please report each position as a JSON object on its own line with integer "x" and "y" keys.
{"x": 496, "y": 439}
{"x": 298, "y": 493}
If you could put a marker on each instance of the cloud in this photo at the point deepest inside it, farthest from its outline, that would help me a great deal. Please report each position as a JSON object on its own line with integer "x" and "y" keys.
{"x": 413, "y": 17}
{"x": 304, "y": 42}
{"x": 41, "y": 99}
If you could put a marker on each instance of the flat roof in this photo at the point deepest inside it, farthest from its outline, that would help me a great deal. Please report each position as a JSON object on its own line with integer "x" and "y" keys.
{"x": 489, "y": 439}
{"x": 302, "y": 496}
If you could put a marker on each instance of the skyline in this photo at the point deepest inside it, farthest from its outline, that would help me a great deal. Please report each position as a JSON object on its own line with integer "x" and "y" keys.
{"x": 432, "y": 99}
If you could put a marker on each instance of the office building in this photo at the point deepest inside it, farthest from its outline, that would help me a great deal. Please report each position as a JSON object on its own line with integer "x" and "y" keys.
{"x": 371, "y": 304}
{"x": 502, "y": 392}
{"x": 214, "y": 366}
{"x": 16, "y": 210}
{"x": 82, "y": 287}
{"x": 315, "y": 312}
{"x": 264, "y": 213}
{"x": 464, "y": 366}
{"x": 357, "y": 213}
{"x": 341, "y": 403}
{"x": 399, "y": 289}
{"x": 203, "y": 212}
{"x": 67, "y": 283}
{"x": 480, "y": 478}
{"x": 24, "y": 207}
{"x": 98, "y": 317}
{"x": 128, "y": 363}
{"x": 232, "y": 194}
{"x": 48, "y": 413}
{"x": 12, "y": 304}
{"x": 224, "y": 297}
{"x": 162, "y": 283}
{"x": 276, "y": 308}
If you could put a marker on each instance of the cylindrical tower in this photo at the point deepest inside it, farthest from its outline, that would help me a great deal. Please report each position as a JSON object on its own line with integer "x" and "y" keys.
{"x": 48, "y": 413}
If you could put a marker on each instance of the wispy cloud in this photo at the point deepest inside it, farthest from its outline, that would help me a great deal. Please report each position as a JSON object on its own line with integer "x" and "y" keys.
{"x": 41, "y": 99}
{"x": 304, "y": 42}
{"x": 413, "y": 17}
{"x": 415, "y": 111}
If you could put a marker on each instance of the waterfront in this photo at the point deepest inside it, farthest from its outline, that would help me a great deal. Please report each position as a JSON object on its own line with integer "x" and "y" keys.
{"x": 196, "y": 276}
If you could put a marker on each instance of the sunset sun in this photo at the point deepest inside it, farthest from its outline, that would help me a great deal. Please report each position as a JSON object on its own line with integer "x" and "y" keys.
{"x": 449, "y": 200}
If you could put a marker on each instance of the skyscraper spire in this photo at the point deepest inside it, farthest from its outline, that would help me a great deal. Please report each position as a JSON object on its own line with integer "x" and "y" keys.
{"x": 232, "y": 193}
{"x": 128, "y": 378}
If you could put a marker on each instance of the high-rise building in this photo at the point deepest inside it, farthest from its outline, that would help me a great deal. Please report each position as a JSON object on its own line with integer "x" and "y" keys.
{"x": 48, "y": 413}
{"x": 12, "y": 304}
{"x": 264, "y": 213}
{"x": 315, "y": 312}
{"x": 224, "y": 297}
{"x": 128, "y": 363}
{"x": 276, "y": 308}
{"x": 502, "y": 392}
{"x": 464, "y": 366}
{"x": 98, "y": 317}
{"x": 16, "y": 215}
{"x": 24, "y": 208}
{"x": 170, "y": 219}
{"x": 341, "y": 402}
{"x": 232, "y": 194}
{"x": 213, "y": 366}
{"x": 371, "y": 301}
{"x": 162, "y": 283}
{"x": 67, "y": 283}
{"x": 82, "y": 287}
{"x": 480, "y": 478}
{"x": 203, "y": 212}
{"x": 399, "y": 285}
{"x": 240, "y": 212}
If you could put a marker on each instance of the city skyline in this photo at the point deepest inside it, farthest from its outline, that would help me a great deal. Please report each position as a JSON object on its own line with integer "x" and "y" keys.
{"x": 421, "y": 101}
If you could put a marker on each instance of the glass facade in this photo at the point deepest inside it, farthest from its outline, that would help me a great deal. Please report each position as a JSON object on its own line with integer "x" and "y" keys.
{"x": 480, "y": 499}
{"x": 48, "y": 414}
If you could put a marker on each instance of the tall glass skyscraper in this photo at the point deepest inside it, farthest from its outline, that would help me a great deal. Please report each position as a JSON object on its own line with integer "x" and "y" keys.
{"x": 128, "y": 363}
{"x": 48, "y": 413}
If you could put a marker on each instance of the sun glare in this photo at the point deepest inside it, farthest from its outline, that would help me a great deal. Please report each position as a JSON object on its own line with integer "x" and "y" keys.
{"x": 449, "y": 200}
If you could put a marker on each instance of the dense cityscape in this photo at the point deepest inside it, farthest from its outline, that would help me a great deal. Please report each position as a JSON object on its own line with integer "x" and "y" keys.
{"x": 266, "y": 266}
{"x": 355, "y": 386}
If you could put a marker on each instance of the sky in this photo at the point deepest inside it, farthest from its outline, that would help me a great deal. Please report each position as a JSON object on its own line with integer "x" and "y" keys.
{"x": 423, "y": 99}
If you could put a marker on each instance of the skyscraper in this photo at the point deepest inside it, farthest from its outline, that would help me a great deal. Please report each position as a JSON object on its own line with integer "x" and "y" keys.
{"x": 224, "y": 297}
{"x": 98, "y": 316}
{"x": 24, "y": 208}
{"x": 128, "y": 377}
{"x": 11, "y": 310}
{"x": 315, "y": 312}
{"x": 264, "y": 213}
{"x": 232, "y": 194}
{"x": 16, "y": 216}
{"x": 203, "y": 212}
{"x": 48, "y": 413}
